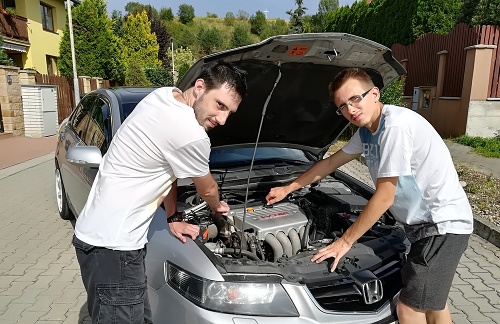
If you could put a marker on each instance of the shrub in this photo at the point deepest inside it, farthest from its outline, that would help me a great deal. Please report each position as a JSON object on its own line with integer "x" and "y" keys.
{"x": 159, "y": 76}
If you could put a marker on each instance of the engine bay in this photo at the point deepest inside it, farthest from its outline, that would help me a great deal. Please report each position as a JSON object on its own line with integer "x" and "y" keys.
{"x": 291, "y": 230}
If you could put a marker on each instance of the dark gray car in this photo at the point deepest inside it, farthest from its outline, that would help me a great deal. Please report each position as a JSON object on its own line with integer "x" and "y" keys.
{"x": 254, "y": 266}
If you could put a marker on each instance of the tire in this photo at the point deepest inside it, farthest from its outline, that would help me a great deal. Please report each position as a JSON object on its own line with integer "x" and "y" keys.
{"x": 61, "y": 199}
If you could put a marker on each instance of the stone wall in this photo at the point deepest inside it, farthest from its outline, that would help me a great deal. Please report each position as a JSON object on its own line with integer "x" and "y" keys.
{"x": 11, "y": 104}
{"x": 484, "y": 118}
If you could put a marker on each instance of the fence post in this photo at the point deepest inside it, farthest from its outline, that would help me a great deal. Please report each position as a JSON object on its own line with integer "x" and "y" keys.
{"x": 477, "y": 72}
{"x": 27, "y": 77}
{"x": 11, "y": 105}
{"x": 86, "y": 83}
{"x": 441, "y": 72}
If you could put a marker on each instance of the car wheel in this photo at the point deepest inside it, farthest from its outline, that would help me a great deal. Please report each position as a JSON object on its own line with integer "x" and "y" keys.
{"x": 62, "y": 201}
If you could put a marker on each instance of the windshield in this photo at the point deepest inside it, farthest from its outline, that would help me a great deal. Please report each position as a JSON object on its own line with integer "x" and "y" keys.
{"x": 240, "y": 156}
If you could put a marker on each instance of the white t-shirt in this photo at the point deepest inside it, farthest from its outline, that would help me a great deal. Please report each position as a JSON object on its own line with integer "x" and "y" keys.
{"x": 159, "y": 142}
{"x": 429, "y": 198}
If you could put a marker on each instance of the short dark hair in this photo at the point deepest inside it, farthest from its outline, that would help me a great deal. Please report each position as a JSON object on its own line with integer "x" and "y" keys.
{"x": 347, "y": 74}
{"x": 215, "y": 74}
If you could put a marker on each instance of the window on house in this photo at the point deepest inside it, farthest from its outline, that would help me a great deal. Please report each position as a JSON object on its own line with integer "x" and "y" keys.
{"x": 47, "y": 17}
{"x": 51, "y": 65}
{"x": 8, "y": 3}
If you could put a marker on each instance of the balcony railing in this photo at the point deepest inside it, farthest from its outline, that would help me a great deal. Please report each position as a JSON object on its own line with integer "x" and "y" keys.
{"x": 14, "y": 27}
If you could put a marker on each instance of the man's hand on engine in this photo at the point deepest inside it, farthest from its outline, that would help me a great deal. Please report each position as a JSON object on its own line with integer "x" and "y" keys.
{"x": 276, "y": 194}
{"x": 222, "y": 209}
{"x": 180, "y": 229}
{"x": 335, "y": 250}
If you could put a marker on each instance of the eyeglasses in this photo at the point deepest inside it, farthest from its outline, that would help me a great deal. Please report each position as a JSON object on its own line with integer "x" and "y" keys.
{"x": 353, "y": 101}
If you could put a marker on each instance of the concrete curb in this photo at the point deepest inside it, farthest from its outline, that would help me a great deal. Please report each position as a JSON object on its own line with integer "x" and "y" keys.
{"x": 7, "y": 172}
{"x": 487, "y": 230}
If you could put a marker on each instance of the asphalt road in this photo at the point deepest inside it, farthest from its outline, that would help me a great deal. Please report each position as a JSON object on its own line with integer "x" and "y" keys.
{"x": 40, "y": 280}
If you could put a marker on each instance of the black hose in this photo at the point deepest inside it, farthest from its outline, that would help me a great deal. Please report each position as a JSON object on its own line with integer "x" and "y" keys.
{"x": 304, "y": 204}
{"x": 243, "y": 252}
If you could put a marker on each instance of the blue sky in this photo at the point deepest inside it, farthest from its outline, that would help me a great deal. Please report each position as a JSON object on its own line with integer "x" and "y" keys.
{"x": 276, "y": 8}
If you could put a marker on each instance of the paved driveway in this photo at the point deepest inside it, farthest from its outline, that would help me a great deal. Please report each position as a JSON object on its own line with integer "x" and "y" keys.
{"x": 39, "y": 275}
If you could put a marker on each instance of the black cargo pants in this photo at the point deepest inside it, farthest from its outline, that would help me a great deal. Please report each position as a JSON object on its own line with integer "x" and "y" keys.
{"x": 116, "y": 284}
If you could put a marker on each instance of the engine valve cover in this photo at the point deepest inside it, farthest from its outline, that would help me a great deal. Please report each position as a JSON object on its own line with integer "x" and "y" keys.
{"x": 264, "y": 220}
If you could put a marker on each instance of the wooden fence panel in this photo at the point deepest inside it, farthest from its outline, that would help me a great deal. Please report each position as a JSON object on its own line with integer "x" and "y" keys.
{"x": 423, "y": 61}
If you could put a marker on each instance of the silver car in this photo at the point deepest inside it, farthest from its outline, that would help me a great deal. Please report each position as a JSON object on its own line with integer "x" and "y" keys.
{"x": 254, "y": 266}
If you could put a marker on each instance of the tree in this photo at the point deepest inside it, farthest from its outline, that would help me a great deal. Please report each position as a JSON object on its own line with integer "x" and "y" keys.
{"x": 162, "y": 36}
{"x": 435, "y": 16}
{"x": 229, "y": 19}
{"x": 133, "y": 8}
{"x": 185, "y": 13}
{"x": 325, "y": 6}
{"x": 278, "y": 27}
{"x": 242, "y": 15}
{"x": 98, "y": 50}
{"x": 468, "y": 10}
{"x": 240, "y": 37}
{"x": 183, "y": 56}
{"x": 136, "y": 75}
{"x": 210, "y": 40}
{"x": 487, "y": 13}
{"x": 318, "y": 21}
{"x": 166, "y": 14}
{"x": 4, "y": 58}
{"x": 140, "y": 45}
{"x": 117, "y": 22}
{"x": 258, "y": 23}
{"x": 211, "y": 15}
{"x": 297, "y": 24}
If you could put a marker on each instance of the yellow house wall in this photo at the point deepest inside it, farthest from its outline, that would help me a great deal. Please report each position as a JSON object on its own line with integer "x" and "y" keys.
{"x": 42, "y": 42}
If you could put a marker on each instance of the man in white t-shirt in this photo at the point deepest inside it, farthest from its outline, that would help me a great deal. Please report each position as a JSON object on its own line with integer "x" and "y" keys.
{"x": 415, "y": 179}
{"x": 163, "y": 139}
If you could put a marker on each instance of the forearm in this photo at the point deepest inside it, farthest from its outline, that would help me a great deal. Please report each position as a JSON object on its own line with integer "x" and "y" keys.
{"x": 368, "y": 217}
{"x": 374, "y": 209}
{"x": 210, "y": 195}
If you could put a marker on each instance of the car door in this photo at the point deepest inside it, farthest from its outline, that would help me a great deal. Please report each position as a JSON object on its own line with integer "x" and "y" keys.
{"x": 73, "y": 136}
{"x": 97, "y": 133}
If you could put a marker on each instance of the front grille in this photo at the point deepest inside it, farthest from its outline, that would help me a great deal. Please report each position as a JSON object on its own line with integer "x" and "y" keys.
{"x": 345, "y": 295}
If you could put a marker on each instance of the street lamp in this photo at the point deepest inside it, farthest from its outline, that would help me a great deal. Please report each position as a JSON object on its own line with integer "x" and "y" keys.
{"x": 173, "y": 69}
{"x": 76, "y": 90}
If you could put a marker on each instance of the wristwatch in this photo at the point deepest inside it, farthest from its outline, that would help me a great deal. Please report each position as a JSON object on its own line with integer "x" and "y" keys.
{"x": 176, "y": 217}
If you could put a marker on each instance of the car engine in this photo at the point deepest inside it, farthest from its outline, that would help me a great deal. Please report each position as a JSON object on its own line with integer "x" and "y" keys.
{"x": 312, "y": 217}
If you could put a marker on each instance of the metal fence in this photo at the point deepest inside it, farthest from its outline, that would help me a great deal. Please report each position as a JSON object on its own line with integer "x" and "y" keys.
{"x": 423, "y": 60}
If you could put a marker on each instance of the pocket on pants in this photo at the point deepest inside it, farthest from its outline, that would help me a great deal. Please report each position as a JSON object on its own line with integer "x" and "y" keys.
{"x": 420, "y": 251}
{"x": 121, "y": 303}
{"x": 82, "y": 246}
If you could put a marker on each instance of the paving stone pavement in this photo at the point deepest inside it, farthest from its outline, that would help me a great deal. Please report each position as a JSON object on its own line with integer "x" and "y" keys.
{"x": 40, "y": 280}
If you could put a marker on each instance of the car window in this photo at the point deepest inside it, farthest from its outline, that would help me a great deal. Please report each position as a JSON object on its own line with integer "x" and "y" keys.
{"x": 99, "y": 126}
{"x": 263, "y": 154}
{"x": 80, "y": 117}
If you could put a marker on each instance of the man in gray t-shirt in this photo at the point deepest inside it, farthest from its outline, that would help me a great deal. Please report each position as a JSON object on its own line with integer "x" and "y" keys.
{"x": 415, "y": 179}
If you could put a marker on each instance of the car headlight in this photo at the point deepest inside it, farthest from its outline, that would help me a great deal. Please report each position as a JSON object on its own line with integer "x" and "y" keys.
{"x": 265, "y": 297}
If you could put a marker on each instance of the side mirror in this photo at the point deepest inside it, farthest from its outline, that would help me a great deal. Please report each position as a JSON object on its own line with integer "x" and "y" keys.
{"x": 84, "y": 156}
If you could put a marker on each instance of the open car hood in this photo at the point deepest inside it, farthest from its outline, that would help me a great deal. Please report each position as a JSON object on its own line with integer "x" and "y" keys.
{"x": 293, "y": 73}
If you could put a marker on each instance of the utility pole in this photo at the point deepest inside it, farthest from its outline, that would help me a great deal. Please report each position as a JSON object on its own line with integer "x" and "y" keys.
{"x": 76, "y": 89}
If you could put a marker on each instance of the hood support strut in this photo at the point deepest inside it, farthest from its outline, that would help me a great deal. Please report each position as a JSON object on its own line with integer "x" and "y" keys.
{"x": 278, "y": 78}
